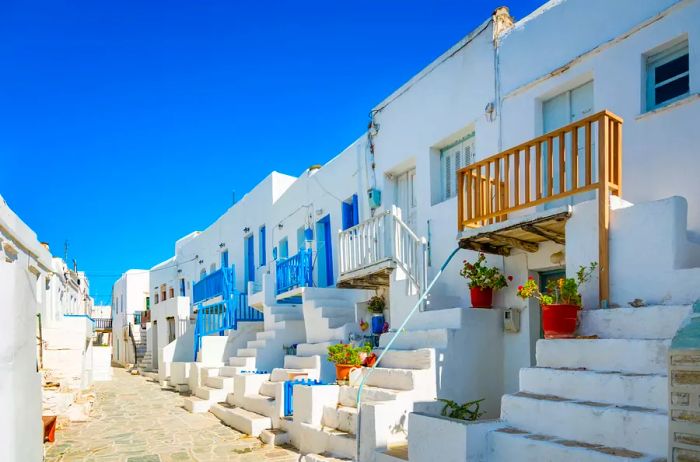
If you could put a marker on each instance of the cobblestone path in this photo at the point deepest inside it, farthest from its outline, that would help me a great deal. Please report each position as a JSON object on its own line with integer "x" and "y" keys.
{"x": 133, "y": 420}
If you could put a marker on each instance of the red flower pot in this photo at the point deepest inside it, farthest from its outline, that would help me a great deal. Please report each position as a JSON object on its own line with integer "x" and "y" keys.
{"x": 482, "y": 297}
{"x": 559, "y": 321}
{"x": 342, "y": 371}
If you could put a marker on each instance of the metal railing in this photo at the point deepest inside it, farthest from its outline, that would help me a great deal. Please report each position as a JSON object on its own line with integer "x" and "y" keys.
{"x": 212, "y": 285}
{"x": 295, "y": 271}
{"x": 103, "y": 323}
{"x": 245, "y": 312}
{"x": 382, "y": 238}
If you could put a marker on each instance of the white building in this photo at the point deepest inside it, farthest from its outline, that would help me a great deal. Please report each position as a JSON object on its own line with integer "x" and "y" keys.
{"x": 129, "y": 301}
{"x": 505, "y": 105}
{"x": 42, "y": 299}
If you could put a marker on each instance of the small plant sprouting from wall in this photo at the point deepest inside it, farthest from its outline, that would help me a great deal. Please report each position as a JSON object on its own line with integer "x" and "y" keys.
{"x": 468, "y": 411}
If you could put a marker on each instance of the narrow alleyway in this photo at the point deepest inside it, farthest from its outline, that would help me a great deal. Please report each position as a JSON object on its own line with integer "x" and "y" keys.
{"x": 133, "y": 420}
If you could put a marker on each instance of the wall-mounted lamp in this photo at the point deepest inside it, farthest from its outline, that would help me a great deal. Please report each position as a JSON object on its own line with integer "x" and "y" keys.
{"x": 201, "y": 261}
{"x": 179, "y": 271}
{"x": 222, "y": 245}
{"x": 280, "y": 226}
{"x": 246, "y": 230}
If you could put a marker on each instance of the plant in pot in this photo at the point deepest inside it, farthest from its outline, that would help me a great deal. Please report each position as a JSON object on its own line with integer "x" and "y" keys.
{"x": 561, "y": 302}
{"x": 346, "y": 358}
{"x": 376, "y": 307}
{"x": 483, "y": 281}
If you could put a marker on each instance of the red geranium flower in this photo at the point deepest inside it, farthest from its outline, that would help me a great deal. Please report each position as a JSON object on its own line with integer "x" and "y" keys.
{"x": 510, "y": 278}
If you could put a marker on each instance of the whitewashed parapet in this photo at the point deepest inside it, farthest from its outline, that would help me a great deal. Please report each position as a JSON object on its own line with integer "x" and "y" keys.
{"x": 684, "y": 390}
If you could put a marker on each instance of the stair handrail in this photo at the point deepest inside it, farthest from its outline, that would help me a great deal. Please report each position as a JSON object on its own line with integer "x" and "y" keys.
{"x": 399, "y": 331}
{"x": 417, "y": 272}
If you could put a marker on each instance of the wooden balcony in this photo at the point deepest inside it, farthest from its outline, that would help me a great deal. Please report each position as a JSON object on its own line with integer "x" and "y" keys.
{"x": 582, "y": 157}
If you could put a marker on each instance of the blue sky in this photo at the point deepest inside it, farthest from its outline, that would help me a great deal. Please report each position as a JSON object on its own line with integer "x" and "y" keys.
{"x": 125, "y": 125}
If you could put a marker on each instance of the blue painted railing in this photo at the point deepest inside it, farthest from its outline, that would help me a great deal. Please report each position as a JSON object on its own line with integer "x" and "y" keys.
{"x": 222, "y": 315}
{"x": 289, "y": 392}
{"x": 245, "y": 312}
{"x": 294, "y": 271}
{"x": 218, "y": 283}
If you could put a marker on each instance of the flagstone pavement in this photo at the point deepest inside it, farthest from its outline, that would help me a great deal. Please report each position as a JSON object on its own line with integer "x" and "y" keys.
{"x": 133, "y": 420}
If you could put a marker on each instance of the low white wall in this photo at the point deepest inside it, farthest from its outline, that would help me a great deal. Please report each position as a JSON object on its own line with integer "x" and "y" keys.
{"x": 20, "y": 384}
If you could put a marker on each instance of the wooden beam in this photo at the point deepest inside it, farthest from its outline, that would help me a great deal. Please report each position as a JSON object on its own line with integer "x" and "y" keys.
{"x": 486, "y": 248}
{"x": 545, "y": 233}
{"x": 531, "y": 247}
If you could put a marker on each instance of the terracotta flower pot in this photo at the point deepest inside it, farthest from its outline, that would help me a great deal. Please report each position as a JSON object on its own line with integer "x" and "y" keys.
{"x": 482, "y": 297}
{"x": 342, "y": 371}
{"x": 559, "y": 321}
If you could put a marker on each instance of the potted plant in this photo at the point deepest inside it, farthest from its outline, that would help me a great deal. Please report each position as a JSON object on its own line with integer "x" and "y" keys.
{"x": 560, "y": 302}
{"x": 483, "y": 280}
{"x": 376, "y": 307}
{"x": 347, "y": 358}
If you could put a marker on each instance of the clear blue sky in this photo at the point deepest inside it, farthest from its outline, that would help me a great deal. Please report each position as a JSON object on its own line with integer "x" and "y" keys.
{"x": 127, "y": 124}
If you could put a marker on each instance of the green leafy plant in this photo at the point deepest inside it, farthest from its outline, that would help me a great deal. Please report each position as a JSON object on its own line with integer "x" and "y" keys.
{"x": 468, "y": 411}
{"x": 345, "y": 353}
{"x": 376, "y": 305}
{"x": 562, "y": 291}
{"x": 482, "y": 276}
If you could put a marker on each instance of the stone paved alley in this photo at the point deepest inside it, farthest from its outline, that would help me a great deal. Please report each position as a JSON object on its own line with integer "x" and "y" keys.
{"x": 133, "y": 420}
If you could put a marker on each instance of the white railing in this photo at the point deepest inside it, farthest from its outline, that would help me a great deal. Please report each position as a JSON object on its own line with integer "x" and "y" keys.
{"x": 384, "y": 237}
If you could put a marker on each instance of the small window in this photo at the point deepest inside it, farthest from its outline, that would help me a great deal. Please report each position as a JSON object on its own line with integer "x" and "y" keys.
{"x": 262, "y": 257}
{"x": 452, "y": 158}
{"x": 172, "y": 292}
{"x": 155, "y": 298}
{"x": 668, "y": 76}
{"x": 182, "y": 287}
{"x": 284, "y": 248}
{"x": 301, "y": 239}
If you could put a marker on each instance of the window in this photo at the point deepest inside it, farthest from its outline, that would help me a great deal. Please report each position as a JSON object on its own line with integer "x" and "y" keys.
{"x": 262, "y": 257}
{"x": 224, "y": 259}
{"x": 212, "y": 268}
{"x": 452, "y": 158}
{"x": 155, "y": 299}
{"x": 148, "y": 303}
{"x": 202, "y": 274}
{"x": 301, "y": 240}
{"x": 668, "y": 75}
{"x": 182, "y": 287}
{"x": 351, "y": 213}
{"x": 163, "y": 295}
{"x": 172, "y": 292}
{"x": 284, "y": 248}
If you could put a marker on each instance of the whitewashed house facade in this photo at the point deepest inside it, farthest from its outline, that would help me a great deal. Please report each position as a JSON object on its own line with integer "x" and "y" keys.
{"x": 503, "y": 109}
{"x": 130, "y": 300}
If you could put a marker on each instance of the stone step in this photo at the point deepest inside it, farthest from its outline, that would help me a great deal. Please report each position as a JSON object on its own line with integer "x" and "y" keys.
{"x": 310, "y": 349}
{"x": 220, "y": 382}
{"x": 340, "y": 321}
{"x": 231, "y": 371}
{"x": 247, "y": 352}
{"x": 282, "y": 325}
{"x": 642, "y": 390}
{"x": 618, "y": 355}
{"x": 288, "y": 316}
{"x": 242, "y": 420}
{"x": 345, "y": 309}
{"x": 197, "y": 405}
{"x": 651, "y": 322}
{"x": 509, "y": 444}
{"x": 211, "y": 394}
{"x": 281, "y": 374}
{"x": 247, "y": 362}
{"x": 348, "y": 395}
{"x": 265, "y": 335}
{"x": 260, "y": 404}
{"x": 395, "y": 453}
{"x": 301, "y": 362}
{"x": 256, "y": 343}
{"x": 343, "y": 444}
{"x": 416, "y": 339}
{"x": 389, "y": 378}
{"x": 268, "y": 389}
{"x": 343, "y": 418}
{"x": 275, "y": 437}
{"x": 407, "y": 359}
{"x": 638, "y": 429}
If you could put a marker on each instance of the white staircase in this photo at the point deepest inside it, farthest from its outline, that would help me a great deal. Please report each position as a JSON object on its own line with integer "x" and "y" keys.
{"x": 402, "y": 378}
{"x": 256, "y": 402}
{"x": 599, "y": 399}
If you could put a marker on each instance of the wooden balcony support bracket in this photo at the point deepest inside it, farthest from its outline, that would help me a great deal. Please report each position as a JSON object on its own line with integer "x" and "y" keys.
{"x": 521, "y": 244}
{"x": 484, "y": 247}
{"x": 545, "y": 233}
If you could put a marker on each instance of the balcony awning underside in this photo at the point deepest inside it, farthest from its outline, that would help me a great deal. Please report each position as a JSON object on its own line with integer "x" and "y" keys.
{"x": 523, "y": 233}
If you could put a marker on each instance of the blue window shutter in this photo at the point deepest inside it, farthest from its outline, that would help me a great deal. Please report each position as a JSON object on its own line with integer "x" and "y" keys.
{"x": 262, "y": 256}
{"x": 355, "y": 210}
{"x": 347, "y": 215}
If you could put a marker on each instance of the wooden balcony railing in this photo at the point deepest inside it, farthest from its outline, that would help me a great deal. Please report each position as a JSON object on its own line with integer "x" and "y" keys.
{"x": 583, "y": 156}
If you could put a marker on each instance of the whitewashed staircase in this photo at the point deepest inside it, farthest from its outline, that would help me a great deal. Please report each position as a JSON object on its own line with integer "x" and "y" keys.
{"x": 402, "y": 378}
{"x": 284, "y": 327}
{"x": 601, "y": 400}
{"x": 257, "y": 403}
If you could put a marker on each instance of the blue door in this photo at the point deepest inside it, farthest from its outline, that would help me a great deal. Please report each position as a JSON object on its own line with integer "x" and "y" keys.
{"x": 324, "y": 252}
{"x": 224, "y": 259}
{"x": 249, "y": 252}
{"x": 350, "y": 213}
